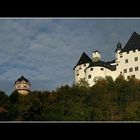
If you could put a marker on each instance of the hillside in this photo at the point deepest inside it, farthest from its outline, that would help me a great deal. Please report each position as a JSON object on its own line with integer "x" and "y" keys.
{"x": 107, "y": 100}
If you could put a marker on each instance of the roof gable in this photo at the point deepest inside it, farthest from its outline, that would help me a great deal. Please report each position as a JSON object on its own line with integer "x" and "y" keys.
{"x": 83, "y": 59}
{"x": 22, "y": 78}
{"x": 133, "y": 43}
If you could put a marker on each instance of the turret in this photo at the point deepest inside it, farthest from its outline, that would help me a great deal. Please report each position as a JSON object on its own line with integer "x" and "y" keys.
{"x": 119, "y": 46}
{"x": 96, "y": 56}
{"x": 22, "y": 85}
{"x": 118, "y": 50}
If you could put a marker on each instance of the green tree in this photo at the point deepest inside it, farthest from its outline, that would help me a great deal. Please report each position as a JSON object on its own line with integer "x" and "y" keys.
{"x": 83, "y": 83}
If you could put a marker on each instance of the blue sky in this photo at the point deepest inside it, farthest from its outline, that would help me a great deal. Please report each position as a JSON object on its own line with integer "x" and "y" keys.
{"x": 46, "y": 50}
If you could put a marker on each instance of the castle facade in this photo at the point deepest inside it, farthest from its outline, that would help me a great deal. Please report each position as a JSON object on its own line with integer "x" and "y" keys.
{"x": 126, "y": 62}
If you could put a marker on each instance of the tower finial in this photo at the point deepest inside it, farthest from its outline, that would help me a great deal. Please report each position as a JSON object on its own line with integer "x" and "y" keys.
{"x": 119, "y": 45}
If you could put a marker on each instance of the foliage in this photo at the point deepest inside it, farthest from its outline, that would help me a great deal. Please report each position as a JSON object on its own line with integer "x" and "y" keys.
{"x": 107, "y": 100}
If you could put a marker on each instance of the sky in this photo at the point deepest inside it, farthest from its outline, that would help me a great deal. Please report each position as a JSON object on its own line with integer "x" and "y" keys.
{"x": 46, "y": 50}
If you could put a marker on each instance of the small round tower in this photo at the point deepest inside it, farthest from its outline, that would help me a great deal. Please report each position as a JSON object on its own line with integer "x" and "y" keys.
{"x": 22, "y": 85}
{"x": 119, "y": 46}
{"x": 96, "y": 56}
{"x": 118, "y": 50}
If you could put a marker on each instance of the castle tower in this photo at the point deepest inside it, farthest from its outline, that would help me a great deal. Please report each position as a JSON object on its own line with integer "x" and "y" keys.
{"x": 96, "y": 56}
{"x": 118, "y": 50}
{"x": 22, "y": 85}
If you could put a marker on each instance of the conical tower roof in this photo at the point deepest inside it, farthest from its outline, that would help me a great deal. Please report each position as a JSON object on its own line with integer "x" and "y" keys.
{"x": 83, "y": 59}
{"x": 133, "y": 43}
{"x": 22, "y": 78}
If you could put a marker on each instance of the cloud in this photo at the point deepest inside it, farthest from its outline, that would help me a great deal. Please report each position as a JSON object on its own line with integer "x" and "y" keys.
{"x": 46, "y": 50}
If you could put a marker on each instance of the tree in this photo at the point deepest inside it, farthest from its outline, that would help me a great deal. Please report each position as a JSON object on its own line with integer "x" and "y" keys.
{"x": 83, "y": 83}
{"x": 3, "y": 98}
{"x": 14, "y": 97}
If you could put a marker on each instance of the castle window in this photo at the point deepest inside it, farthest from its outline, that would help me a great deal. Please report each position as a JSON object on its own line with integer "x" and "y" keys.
{"x": 89, "y": 76}
{"x": 121, "y": 55}
{"x": 126, "y": 60}
{"x": 125, "y": 70}
{"x": 136, "y": 68}
{"x": 130, "y": 69}
{"x": 134, "y": 50}
{"x": 128, "y": 52}
{"x": 120, "y": 72}
{"x": 102, "y": 68}
{"x": 128, "y": 77}
{"x": 133, "y": 76}
{"x": 84, "y": 65}
{"x": 136, "y": 58}
{"x": 18, "y": 86}
{"x": 77, "y": 72}
{"x": 91, "y": 69}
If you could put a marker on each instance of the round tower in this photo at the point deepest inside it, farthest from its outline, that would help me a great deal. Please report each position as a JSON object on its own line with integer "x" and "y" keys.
{"x": 22, "y": 85}
{"x": 119, "y": 46}
{"x": 96, "y": 55}
{"x": 118, "y": 50}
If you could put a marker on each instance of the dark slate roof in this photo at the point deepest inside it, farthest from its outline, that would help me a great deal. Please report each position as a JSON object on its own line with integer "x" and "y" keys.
{"x": 133, "y": 43}
{"x": 102, "y": 64}
{"x": 83, "y": 59}
{"x": 22, "y": 78}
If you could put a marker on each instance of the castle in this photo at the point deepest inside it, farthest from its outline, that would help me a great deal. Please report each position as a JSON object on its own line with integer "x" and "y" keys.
{"x": 22, "y": 85}
{"x": 126, "y": 62}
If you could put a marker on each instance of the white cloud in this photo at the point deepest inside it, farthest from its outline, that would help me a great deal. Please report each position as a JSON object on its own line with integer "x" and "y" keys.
{"x": 47, "y": 49}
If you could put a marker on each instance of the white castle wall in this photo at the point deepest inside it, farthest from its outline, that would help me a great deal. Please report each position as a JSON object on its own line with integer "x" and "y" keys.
{"x": 97, "y": 73}
{"x": 127, "y": 64}
{"x": 122, "y": 65}
{"x": 23, "y": 92}
{"x": 79, "y": 72}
